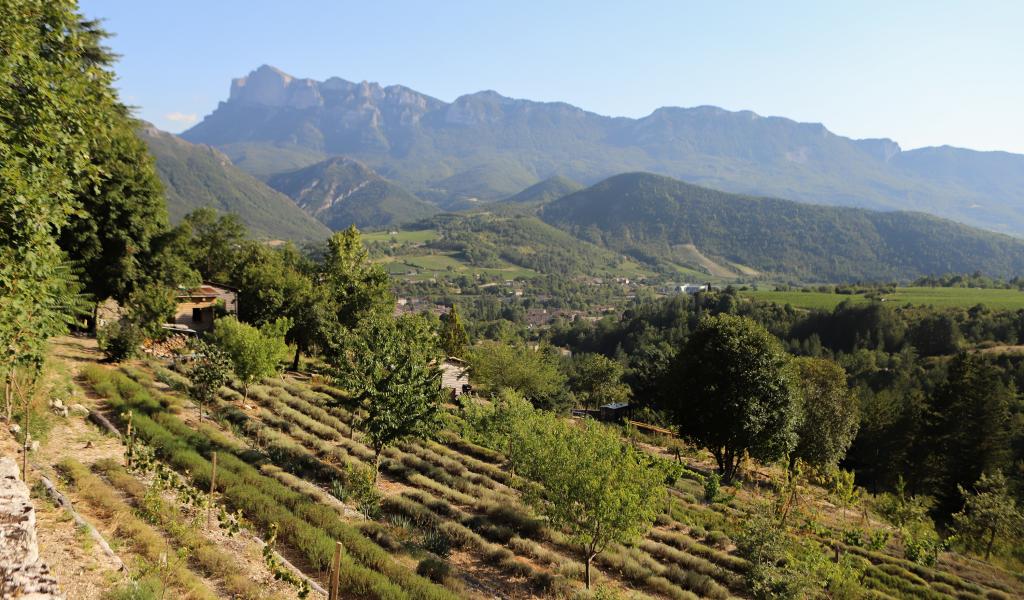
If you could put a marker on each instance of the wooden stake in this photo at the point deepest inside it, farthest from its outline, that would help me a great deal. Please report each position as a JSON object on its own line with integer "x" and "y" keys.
{"x": 128, "y": 440}
{"x": 335, "y": 573}
{"x": 213, "y": 486}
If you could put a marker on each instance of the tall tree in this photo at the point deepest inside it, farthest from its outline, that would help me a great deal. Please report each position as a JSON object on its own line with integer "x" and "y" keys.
{"x": 596, "y": 380}
{"x": 731, "y": 391}
{"x": 392, "y": 368}
{"x": 454, "y": 340}
{"x": 827, "y": 413}
{"x": 968, "y": 424}
{"x": 215, "y": 242}
{"x": 357, "y": 286}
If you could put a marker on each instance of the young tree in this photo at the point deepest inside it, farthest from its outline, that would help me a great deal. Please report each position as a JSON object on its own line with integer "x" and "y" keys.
{"x": 392, "y": 367}
{"x": 989, "y": 513}
{"x": 211, "y": 370}
{"x": 731, "y": 391}
{"x": 597, "y": 380}
{"x": 254, "y": 353}
{"x": 454, "y": 340}
{"x": 591, "y": 484}
{"x": 828, "y": 413}
{"x": 533, "y": 373}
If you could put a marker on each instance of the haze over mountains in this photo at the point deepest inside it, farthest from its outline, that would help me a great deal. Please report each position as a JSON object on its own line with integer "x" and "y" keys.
{"x": 488, "y": 146}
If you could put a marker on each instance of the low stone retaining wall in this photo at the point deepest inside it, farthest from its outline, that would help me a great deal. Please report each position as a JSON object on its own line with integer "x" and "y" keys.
{"x": 22, "y": 574}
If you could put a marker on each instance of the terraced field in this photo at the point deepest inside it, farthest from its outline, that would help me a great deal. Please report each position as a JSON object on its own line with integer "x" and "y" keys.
{"x": 450, "y": 523}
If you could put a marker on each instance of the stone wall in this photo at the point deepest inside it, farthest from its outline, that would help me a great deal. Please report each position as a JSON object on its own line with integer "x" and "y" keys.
{"x": 22, "y": 574}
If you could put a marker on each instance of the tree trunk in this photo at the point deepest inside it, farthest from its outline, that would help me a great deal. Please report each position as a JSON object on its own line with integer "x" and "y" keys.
{"x": 295, "y": 361}
{"x": 590, "y": 559}
{"x": 991, "y": 542}
{"x": 200, "y": 411}
{"x": 376, "y": 464}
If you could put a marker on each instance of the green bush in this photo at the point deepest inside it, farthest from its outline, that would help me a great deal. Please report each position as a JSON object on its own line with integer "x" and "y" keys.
{"x": 120, "y": 340}
{"x": 433, "y": 568}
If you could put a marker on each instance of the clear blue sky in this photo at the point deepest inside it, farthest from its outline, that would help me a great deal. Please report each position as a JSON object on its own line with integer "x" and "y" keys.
{"x": 921, "y": 72}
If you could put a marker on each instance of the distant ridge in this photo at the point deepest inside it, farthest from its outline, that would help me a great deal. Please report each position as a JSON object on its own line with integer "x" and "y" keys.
{"x": 660, "y": 220}
{"x": 486, "y": 146}
{"x": 550, "y": 189}
{"x": 340, "y": 192}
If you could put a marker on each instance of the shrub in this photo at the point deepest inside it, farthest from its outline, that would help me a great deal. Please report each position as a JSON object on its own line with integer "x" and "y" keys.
{"x": 120, "y": 340}
{"x": 433, "y": 568}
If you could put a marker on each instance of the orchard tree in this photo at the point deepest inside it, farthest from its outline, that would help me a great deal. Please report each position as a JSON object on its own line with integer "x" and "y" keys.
{"x": 254, "y": 353}
{"x": 593, "y": 486}
{"x": 454, "y": 340}
{"x": 731, "y": 390}
{"x": 827, "y": 413}
{"x": 392, "y": 368}
{"x": 211, "y": 370}
{"x": 535, "y": 374}
{"x": 989, "y": 513}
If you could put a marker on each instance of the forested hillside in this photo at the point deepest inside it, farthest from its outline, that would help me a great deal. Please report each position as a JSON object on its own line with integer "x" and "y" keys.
{"x": 656, "y": 218}
{"x": 197, "y": 176}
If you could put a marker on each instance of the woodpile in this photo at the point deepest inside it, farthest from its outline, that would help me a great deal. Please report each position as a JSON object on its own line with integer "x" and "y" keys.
{"x": 166, "y": 348}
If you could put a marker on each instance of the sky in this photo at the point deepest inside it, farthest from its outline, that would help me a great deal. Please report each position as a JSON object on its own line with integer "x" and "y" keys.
{"x": 924, "y": 73}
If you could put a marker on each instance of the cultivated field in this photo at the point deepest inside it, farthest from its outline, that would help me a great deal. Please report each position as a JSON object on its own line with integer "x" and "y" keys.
{"x": 923, "y": 296}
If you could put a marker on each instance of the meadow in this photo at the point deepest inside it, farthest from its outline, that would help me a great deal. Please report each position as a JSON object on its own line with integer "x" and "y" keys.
{"x": 919, "y": 296}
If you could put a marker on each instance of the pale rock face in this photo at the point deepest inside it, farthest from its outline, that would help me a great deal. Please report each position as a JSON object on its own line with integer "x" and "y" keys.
{"x": 268, "y": 86}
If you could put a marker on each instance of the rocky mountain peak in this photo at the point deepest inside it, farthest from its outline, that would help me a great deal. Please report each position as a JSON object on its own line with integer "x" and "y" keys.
{"x": 270, "y": 86}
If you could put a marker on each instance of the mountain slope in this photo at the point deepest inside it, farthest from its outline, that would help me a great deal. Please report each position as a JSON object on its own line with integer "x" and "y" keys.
{"x": 488, "y": 146}
{"x": 195, "y": 176}
{"x": 660, "y": 219}
{"x": 340, "y": 191}
{"x": 550, "y": 189}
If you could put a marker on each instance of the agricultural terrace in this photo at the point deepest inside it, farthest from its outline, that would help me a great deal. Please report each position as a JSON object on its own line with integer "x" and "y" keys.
{"x": 446, "y": 520}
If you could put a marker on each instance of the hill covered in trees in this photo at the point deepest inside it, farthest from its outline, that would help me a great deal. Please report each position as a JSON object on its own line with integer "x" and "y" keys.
{"x": 656, "y": 219}
{"x": 550, "y": 189}
{"x": 196, "y": 176}
{"x": 341, "y": 192}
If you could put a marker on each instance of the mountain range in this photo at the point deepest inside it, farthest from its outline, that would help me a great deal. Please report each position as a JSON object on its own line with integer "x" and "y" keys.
{"x": 485, "y": 146}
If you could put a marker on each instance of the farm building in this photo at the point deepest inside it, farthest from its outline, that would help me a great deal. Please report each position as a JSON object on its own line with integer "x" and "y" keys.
{"x": 196, "y": 307}
{"x": 455, "y": 375}
{"x": 615, "y": 411}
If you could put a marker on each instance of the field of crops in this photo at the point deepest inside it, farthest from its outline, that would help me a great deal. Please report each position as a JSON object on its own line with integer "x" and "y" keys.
{"x": 416, "y": 237}
{"x": 450, "y": 522}
{"x": 924, "y": 296}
